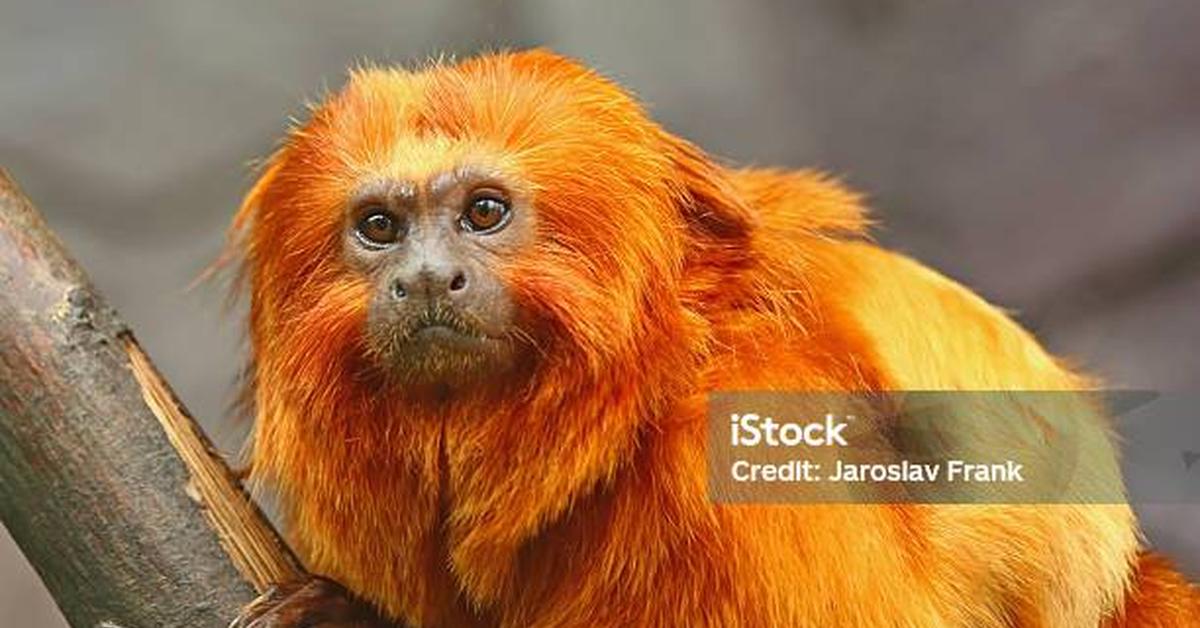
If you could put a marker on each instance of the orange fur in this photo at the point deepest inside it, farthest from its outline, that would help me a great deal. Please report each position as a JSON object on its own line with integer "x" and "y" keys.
{"x": 1161, "y": 598}
{"x": 657, "y": 276}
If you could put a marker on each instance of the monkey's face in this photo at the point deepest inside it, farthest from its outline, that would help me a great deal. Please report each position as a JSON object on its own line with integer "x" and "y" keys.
{"x": 431, "y": 250}
{"x": 454, "y": 225}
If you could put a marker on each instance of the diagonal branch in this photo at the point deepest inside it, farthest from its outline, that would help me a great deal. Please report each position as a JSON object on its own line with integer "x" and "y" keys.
{"x": 107, "y": 484}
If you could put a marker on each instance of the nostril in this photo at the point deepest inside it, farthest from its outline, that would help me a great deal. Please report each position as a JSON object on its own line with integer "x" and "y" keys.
{"x": 398, "y": 290}
{"x": 458, "y": 282}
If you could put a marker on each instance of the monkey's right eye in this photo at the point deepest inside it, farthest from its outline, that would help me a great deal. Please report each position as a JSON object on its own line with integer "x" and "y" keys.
{"x": 378, "y": 227}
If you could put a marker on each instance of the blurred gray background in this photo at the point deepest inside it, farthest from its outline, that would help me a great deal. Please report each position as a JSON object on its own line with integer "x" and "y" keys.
{"x": 1045, "y": 152}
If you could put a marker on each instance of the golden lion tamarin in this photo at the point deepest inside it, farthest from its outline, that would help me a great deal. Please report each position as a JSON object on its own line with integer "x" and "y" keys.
{"x": 488, "y": 303}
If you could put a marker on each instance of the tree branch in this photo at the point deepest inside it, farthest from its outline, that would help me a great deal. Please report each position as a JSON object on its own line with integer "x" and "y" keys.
{"x": 106, "y": 483}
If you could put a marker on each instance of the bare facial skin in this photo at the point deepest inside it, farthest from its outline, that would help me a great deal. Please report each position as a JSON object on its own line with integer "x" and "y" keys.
{"x": 440, "y": 312}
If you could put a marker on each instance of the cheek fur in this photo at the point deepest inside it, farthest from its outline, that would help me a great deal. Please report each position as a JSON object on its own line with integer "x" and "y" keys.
{"x": 315, "y": 346}
{"x": 563, "y": 307}
{"x": 604, "y": 257}
{"x": 582, "y": 307}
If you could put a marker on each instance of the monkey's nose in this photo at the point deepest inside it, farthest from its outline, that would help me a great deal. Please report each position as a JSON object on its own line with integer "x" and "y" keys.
{"x": 430, "y": 284}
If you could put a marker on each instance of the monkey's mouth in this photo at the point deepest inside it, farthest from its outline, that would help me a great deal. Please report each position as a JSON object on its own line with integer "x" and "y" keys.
{"x": 444, "y": 329}
{"x": 437, "y": 346}
{"x": 444, "y": 335}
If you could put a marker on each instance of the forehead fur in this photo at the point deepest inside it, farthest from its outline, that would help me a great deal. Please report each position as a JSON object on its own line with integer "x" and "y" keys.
{"x": 534, "y": 111}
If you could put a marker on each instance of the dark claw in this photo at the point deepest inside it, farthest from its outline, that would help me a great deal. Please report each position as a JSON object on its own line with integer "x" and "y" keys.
{"x": 315, "y": 602}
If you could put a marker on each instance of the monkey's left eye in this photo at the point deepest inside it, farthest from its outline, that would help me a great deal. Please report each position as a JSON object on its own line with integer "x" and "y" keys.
{"x": 378, "y": 227}
{"x": 486, "y": 213}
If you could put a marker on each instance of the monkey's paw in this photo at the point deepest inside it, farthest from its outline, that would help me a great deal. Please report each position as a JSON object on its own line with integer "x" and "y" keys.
{"x": 314, "y": 602}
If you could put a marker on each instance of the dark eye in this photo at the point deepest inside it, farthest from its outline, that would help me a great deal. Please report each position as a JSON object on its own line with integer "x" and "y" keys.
{"x": 378, "y": 227}
{"x": 486, "y": 214}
